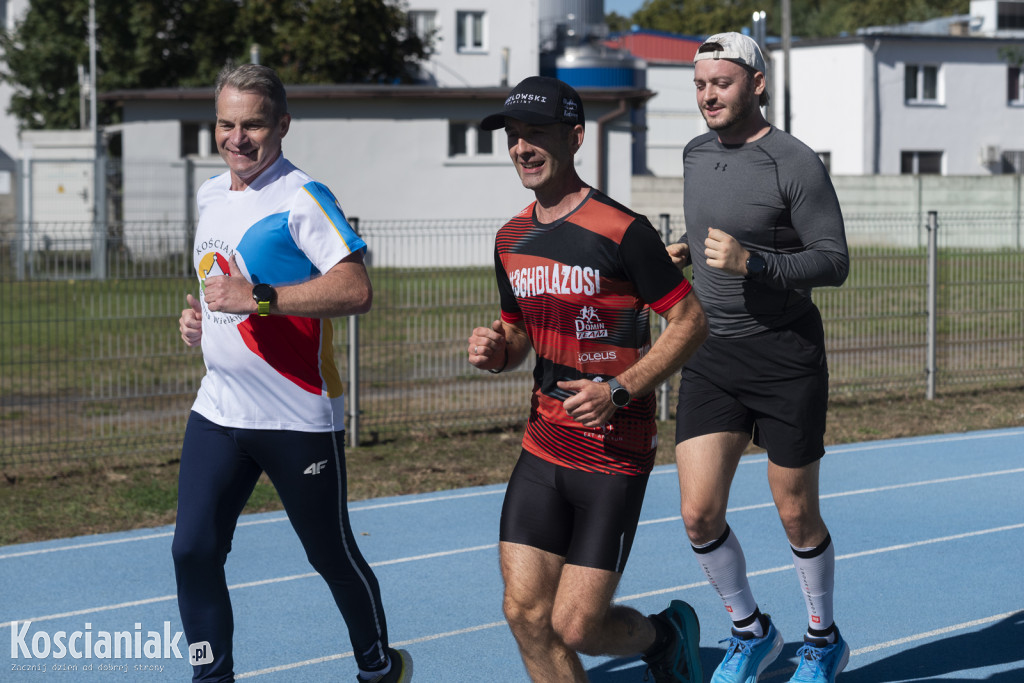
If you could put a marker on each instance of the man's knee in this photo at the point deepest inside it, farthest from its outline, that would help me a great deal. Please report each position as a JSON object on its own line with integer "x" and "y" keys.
{"x": 527, "y": 618}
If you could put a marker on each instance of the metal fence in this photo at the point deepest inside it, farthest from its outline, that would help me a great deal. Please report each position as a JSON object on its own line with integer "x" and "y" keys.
{"x": 94, "y": 366}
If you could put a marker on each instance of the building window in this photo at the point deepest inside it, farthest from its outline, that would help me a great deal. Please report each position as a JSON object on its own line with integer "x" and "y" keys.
{"x": 198, "y": 139}
{"x": 469, "y": 31}
{"x": 422, "y": 23}
{"x": 921, "y": 84}
{"x": 469, "y": 140}
{"x": 921, "y": 163}
{"x": 1013, "y": 162}
{"x": 1015, "y": 85}
{"x": 1010, "y": 16}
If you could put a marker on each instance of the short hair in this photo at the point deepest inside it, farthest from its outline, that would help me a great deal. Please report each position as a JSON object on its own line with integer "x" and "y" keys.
{"x": 254, "y": 78}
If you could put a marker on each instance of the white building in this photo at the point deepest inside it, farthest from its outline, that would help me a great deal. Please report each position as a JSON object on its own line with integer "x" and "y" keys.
{"x": 404, "y": 153}
{"x": 945, "y": 96}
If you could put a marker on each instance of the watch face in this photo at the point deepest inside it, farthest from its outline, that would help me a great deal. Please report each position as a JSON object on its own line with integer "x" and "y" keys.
{"x": 263, "y": 292}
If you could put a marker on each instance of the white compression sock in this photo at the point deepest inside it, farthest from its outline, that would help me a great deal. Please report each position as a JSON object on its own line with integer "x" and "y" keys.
{"x": 816, "y": 569}
{"x": 726, "y": 568}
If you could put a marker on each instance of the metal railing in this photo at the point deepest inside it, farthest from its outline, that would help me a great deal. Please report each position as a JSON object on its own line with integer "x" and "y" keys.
{"x": 94, "y": 366}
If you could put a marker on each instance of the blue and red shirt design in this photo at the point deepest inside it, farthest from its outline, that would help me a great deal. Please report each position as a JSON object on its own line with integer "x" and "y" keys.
{"x": 273, "y": 372}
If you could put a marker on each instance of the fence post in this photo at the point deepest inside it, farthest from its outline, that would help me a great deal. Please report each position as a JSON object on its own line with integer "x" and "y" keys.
{"x": 21, "y": 251}
{"x": 353, "y": 381}
{"x": 933, "y": 267}
{"x": 663, "y": 390}
{"x": 353, "y": 368}
{"x": 99, "y": 235}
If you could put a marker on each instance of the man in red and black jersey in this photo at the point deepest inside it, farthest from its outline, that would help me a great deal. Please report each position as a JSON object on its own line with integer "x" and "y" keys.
{"x": 578, "y": 274}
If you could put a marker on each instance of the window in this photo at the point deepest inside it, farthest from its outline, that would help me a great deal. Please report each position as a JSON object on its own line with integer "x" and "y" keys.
{"x": 422, "y": 23}
{"x": 469, "y": 140}
{"x": 1011, "y": 16}
{"x": 1013, "y": 162}
{"x": 469, "y": 32}
{"x": 198, "y": 139}
{"x": 921, "y": 84}
{"x": 921, "y": 163}
{"x": 1014, "y": 85}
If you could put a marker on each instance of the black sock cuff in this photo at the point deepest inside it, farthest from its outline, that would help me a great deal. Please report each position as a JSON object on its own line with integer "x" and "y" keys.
{"x": 813, "y": 552}
{"x": 714, "y": 545}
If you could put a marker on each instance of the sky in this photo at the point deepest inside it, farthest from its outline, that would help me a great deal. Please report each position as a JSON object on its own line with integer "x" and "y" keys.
{"x": 622, "y": 7}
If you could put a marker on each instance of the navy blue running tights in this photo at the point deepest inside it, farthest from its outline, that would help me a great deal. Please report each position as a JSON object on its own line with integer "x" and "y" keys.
{"x": 219, "y": 469}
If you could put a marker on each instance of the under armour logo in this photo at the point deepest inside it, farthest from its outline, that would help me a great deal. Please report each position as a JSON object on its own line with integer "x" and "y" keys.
{"x": 719, "y": 166}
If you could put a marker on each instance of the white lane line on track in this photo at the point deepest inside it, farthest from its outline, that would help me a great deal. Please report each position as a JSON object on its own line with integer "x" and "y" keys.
{"x": 243, "y": 523}
{"x": 785, "y": 671}
{"x": 847, "y": 556}
{"x": 6, "y": 623}
{"x": 343, "y": 655}
{"x": 858, "y": 492}
{"x": 768, "y": 676}
{"x": 661, "y": 470}
{"x": 249, "y": 584}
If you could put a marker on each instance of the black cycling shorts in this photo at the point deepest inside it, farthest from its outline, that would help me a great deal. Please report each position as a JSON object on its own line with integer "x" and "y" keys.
{"x": 588, "y": 518}
{"x": 772, "y": 385}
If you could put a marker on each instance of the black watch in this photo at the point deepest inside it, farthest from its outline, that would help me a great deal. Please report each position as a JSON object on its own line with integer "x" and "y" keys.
{"x": 264, "y": 295}
{"x": 755, "y": 265}
{"x": 620, "y": 394}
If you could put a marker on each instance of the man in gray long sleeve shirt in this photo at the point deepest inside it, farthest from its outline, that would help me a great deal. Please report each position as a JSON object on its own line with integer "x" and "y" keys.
{"x": 763, "y": 227}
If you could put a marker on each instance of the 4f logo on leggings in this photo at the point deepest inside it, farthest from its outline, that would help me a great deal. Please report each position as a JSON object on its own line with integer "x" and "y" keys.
{"x": 315, "y": 468}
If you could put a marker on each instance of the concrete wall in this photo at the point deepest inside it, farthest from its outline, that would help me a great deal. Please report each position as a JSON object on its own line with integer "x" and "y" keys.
{"x": 873, "y": 204}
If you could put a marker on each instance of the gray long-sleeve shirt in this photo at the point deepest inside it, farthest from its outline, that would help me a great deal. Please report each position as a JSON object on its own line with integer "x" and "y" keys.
{"x": 775, "y": 197}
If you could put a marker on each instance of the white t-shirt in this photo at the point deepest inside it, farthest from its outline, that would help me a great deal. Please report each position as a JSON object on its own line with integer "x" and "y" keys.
{"x": 272, "y": 372}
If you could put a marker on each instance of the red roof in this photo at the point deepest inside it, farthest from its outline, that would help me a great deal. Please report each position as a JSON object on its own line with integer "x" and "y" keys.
{"x": 656, "y": 47}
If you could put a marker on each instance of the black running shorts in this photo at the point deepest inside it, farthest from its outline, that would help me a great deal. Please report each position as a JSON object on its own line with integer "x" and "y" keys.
{"x": 772, "y": 385}
{"x": 588, "y": 518}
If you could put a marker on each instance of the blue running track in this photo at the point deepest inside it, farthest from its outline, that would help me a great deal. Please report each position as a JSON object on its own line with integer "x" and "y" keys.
{"x": 929, "y": 536}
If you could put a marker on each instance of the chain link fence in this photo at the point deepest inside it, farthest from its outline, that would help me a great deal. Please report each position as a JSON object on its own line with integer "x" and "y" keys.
{"x": 92, "y": 366}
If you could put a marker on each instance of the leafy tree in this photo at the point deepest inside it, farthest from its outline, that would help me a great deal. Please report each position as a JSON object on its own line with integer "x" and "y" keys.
{"x": 172, "y": 43}
{"x": 617, "y": 23}
{"x": 696, "y": 17}
{"x": 332, "y": 41}
{"x": 809, "y": 18}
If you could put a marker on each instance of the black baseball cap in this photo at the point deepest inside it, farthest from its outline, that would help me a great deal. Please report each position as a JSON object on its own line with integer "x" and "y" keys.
{"x": 540, "y": 100}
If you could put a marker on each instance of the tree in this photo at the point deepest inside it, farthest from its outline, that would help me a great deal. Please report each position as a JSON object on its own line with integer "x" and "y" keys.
{"x": 696, "y": 17}
{"x": 810, "y": 18}
{"x": 333, "y": 41}
{"x": 181, "y": 43}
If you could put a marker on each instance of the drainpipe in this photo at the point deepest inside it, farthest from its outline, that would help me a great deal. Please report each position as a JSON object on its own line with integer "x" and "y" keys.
{"x": 602, "y": 145}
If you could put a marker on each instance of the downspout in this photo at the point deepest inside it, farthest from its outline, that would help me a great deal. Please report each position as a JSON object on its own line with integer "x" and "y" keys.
{"x": 876, "y": 111}
{"x": 602, "y": 145}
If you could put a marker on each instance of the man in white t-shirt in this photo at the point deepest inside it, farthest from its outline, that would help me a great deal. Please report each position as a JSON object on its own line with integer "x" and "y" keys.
{"x": 276, "y": 259}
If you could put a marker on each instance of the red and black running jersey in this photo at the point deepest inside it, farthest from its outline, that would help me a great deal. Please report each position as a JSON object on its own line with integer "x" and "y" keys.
{"x": 582, "y": 288}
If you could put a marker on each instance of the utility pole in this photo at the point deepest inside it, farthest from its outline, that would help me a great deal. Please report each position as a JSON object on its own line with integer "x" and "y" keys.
{"x": 787, "y": 40}
{"x": 99, "y": 172}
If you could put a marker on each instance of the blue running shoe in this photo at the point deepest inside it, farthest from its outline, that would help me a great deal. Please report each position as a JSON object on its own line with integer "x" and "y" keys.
{"x": 679, "y": 660}
{"x": 820, "y": 660}
{"x": 746, "y": 657}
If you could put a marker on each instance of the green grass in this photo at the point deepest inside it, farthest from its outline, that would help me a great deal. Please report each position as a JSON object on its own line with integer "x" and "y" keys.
{"x": 117, "y": 492}
{"x": 90, "y": 368}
